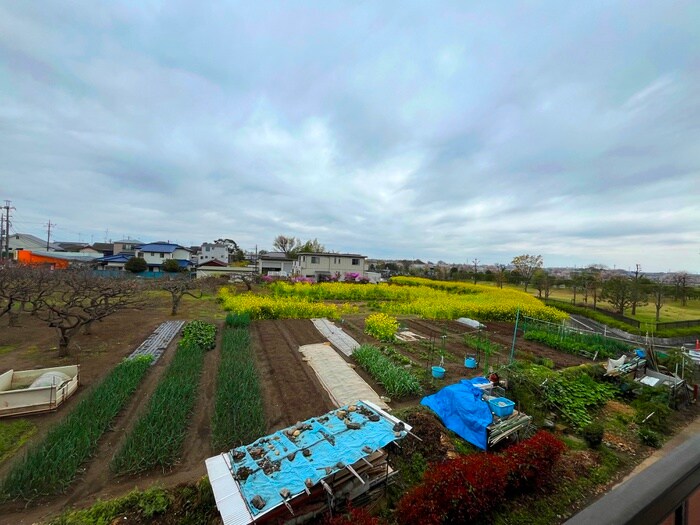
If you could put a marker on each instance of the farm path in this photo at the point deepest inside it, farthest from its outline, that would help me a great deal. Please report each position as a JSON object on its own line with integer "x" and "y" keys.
{"x": 291, "y": 390}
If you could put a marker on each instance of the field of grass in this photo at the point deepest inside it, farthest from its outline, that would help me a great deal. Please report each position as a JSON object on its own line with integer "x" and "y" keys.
{"x": 671, "y": 310}
{"x": 13, "y": 434}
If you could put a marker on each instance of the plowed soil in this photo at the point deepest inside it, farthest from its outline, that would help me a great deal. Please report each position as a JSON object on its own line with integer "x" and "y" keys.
{"x": 291, "y": 391}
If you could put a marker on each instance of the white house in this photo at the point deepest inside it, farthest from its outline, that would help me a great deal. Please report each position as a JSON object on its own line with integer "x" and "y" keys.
{"x": 318, "y": 266}
{"x": 26, "y": 241}
{"x": 212, "y": 252}
{"x": 157, "y": 253}
{"x": 275, "y": 263}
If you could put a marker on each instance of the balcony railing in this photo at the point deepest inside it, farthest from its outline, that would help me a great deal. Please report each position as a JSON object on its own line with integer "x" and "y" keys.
{"x": 667, "y": 492}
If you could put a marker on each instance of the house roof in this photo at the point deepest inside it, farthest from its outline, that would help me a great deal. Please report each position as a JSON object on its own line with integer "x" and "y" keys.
{"x": 68, "y": 256}
{"x": 129, "y": 241}
{"x": 156, "y": 247}
{"x": 33, "y": 239}
{"x": 103, "y": 246}
{"x": 213, "y": 262}
{"x": 331, "y": 254}
{"x": 119, "y": 258}
{"x": 275, "y": 256}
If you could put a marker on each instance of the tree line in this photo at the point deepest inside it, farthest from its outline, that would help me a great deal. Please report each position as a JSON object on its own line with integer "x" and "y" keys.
{"x": 72, "y": 300}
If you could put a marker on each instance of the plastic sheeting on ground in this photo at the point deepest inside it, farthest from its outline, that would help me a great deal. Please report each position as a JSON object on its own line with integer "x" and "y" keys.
{"x": 462, "y": 410}
{"x": 323, "y": 446}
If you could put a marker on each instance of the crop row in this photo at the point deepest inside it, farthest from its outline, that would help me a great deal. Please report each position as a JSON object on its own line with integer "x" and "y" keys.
{"x": 238, "y": 417}
{"x": 575, "y": 343}
{"x": 397, "y": 381}
{"x": 157, "y": 437}
{"x": 481, "y": 344}
{"x": 50, "y": 467}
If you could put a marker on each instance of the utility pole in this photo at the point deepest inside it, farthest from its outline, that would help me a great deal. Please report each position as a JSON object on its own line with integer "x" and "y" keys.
{"x": 48, "y": 234}
{"x": 2, "y": 235}
{"x": 7, "y": 227}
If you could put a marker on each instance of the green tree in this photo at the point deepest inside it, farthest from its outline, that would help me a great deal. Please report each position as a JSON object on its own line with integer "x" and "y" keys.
{"x": 136, "y": 265}
{"x": 526, "y": 266}
{"x": 618, "y": 292}
{"x": 310, "y": 246}
{"x": 234, "y": 251}
{"x": 171, "y": 266}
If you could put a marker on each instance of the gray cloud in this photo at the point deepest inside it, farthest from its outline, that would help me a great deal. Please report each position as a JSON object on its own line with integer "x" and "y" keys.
{"x": 442, "y": 131}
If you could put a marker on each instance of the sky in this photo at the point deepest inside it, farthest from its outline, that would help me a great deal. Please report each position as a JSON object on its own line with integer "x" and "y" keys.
{"x": 432, "y": 130}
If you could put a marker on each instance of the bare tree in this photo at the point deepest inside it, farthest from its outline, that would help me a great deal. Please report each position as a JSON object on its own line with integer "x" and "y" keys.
{"x": 658, "y": 292}
{"x": 680, "y": 287}
{"x": 500, "y": 274}
{"x": 286, "y": 245}
{"x": 542, "y": 281}
{"x": 526, "y": 266}
{"x": 81, "y": 298}
{"x": 23, "y": 288}
{"x": 178, "y": 287}
{"x": 638, "y": 295}
{"x": 475, "y": 264}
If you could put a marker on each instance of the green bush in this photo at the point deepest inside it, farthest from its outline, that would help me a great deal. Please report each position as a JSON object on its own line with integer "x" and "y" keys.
{"x": 593, "y": 434}
{"x": 652, "y": 415}
{"x": 171, "y": 266}
{"x": 136, "y": 265}
{"x": 649, "y": 437}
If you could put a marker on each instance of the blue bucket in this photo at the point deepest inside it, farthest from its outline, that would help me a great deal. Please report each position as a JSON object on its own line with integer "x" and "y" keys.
{"x": 470, "y": 362}
{"x": 438, "y": 372}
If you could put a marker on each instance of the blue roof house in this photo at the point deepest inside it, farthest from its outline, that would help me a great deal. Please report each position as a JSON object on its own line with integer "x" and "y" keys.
{"x": 156, "y": 253}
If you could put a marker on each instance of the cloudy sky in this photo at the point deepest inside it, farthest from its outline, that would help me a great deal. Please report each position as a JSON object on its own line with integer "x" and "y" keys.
{"x": 451, "y": 130}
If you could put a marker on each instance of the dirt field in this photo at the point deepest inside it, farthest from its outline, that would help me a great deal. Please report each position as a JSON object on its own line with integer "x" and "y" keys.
{"x": 290, "y": 388}
{"x": 427, "y": 351}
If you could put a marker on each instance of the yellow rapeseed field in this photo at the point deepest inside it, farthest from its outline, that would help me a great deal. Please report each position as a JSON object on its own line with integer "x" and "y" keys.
{"x": 404, "y": 295}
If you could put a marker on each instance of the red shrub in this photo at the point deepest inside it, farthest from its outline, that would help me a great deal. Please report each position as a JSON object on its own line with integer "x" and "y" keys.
{"x": 456, "y": 491}
{"x": 469, "y": 487}
{"x": 530, "y": 462}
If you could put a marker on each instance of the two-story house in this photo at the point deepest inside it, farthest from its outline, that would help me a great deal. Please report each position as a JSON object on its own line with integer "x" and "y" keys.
{"x": 212, "y": 252}
{"x": 275, "y": 263}
{"x": 127, "y": 246}
{"x": 318, "y": 266}
{"x": 157, "y": 253}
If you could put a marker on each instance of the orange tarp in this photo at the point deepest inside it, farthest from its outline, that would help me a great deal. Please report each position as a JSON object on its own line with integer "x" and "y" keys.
{"x": 27, "y": 257}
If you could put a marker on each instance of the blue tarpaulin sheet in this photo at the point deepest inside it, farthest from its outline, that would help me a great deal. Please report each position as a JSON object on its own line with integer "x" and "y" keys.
{"x": 462, "y": 410}
{"x": 277, "y": 461}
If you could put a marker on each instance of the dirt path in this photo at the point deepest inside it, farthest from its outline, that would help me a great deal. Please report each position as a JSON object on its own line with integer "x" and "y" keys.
{"x": 291, "y": 391}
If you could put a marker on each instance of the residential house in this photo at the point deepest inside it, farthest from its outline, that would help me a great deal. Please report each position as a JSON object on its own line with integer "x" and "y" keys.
{"x": 105, "y": 248}
{"x": 113, "y": 262}
{"x": 52, "y": 259}
{"x": 157, "y": 253}
{"x": 319, "y": 266}
{"x": 127, "y": 246}
{"x": 212, "y": 252}
{"x": 275, "y": 263}
{"x": 26, "y": 241}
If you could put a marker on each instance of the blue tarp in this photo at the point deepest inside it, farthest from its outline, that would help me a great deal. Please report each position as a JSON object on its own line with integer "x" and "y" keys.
{"x": 462, "y": 410}
{"x": 329, "y": 443}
